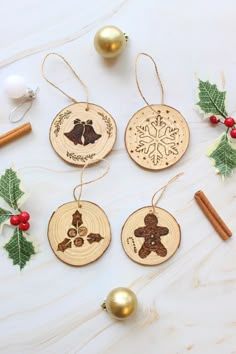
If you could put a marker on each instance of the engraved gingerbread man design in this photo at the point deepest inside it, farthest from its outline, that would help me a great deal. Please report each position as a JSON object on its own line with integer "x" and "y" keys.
{"x": 152, "y": 237}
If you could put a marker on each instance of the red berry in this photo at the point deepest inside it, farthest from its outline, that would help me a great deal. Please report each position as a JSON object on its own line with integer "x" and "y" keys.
{"x": 233, "y": 133}
{"x": 229, "y": 122}
{"x": 24, "y": 226}
{"x": 24, "y": 216}
{"x": 15, "y": 220}
{"x": 214, "y": 120}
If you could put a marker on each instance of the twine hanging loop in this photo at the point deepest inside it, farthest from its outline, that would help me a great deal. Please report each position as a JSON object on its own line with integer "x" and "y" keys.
{"x": 82, "y": 183}
{"x": 158, "y": 77}
{"x": 73, "y": 71}
{"x": 162, "y": 190}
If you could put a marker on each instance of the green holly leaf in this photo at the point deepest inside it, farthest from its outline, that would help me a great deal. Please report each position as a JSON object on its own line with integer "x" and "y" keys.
{"x": 4, "y": 216}
{"x": 19, "y": 249}
{"x": 10, "y": 188}
{"x": 224, "y": 156}
{"x": 211, "y": 100}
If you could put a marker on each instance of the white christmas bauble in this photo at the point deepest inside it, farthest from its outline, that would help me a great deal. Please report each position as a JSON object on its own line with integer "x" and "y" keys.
{"x": 15, "y": 86}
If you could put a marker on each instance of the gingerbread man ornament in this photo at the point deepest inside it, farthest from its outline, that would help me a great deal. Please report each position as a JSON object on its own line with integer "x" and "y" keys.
{"x": 152, "y": 237}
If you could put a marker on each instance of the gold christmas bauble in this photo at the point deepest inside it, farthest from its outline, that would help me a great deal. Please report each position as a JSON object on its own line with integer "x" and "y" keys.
{"x": 121, "y": 303}
{"x": 110, "y": 41}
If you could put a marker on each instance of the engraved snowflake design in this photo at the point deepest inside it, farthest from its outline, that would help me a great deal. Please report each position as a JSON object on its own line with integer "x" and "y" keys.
{"x": 157, "y": 139}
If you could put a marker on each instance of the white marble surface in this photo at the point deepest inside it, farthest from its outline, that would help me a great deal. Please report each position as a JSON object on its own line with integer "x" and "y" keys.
{"x": 187, "y": 305}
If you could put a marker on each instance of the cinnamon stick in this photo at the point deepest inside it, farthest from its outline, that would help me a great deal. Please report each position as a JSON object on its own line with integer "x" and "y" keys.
{"x": 15, "y": 134}
{"x": 212, "y": 215}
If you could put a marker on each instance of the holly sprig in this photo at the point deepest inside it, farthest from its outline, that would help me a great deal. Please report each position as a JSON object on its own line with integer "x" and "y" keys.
{"x": 212, "y": 105}
{"x": 19, "y": 248}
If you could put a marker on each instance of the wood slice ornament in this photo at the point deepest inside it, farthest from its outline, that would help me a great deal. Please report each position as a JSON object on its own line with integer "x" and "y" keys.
{"x": 82, "y": 132}
{"x": 79, "y": 232}
{"x": 157, "y": 136}
{"x": 151, "y": 235}
{"x": 78, "y": 134}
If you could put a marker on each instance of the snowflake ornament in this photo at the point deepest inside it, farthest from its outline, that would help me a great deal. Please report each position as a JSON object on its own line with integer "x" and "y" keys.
{"x": 157, "y": 139}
